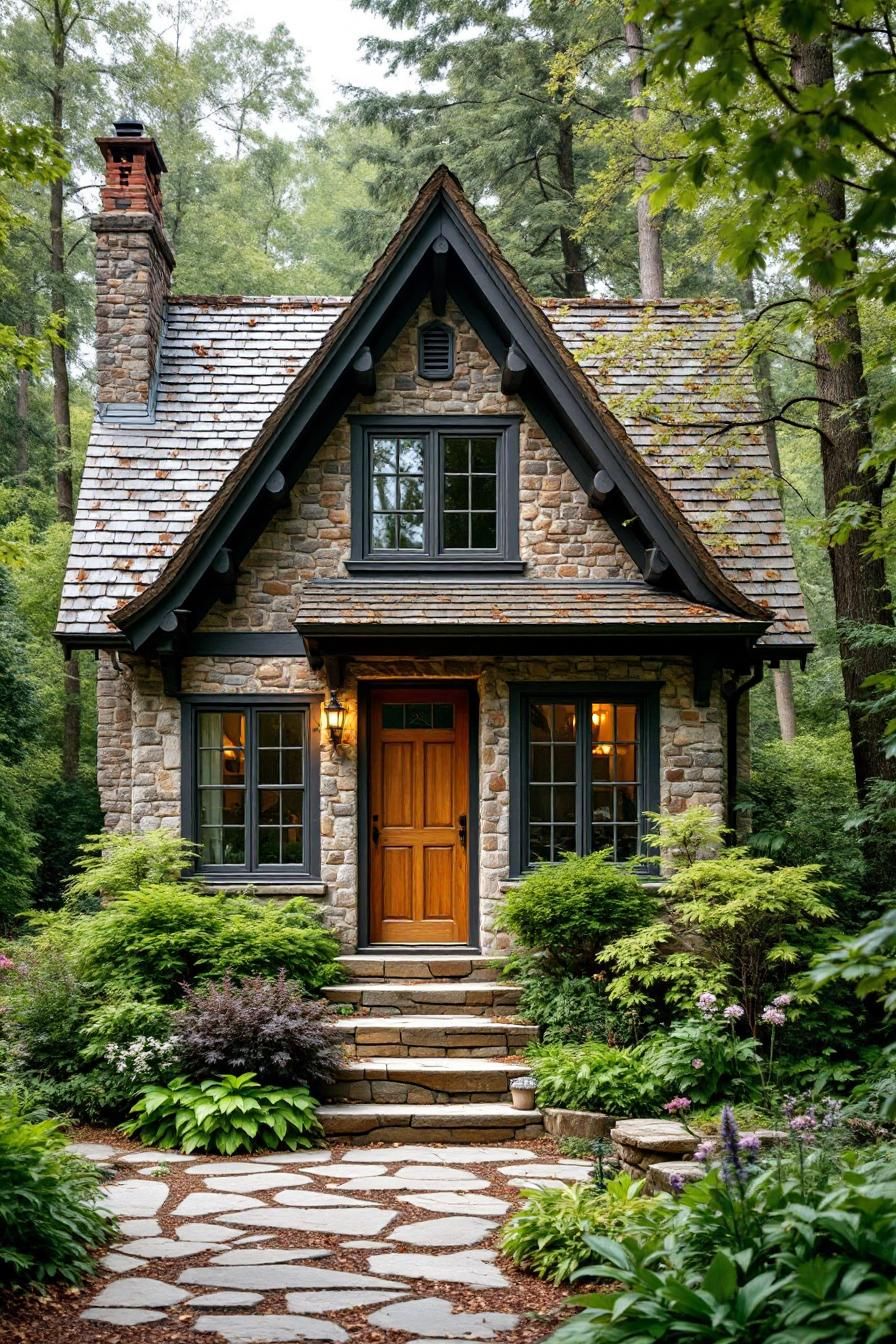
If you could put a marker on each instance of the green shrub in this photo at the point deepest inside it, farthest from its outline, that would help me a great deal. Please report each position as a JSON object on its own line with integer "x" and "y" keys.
{"x": 547, "y": 1234}
{"x": 113, "y": 865}
{"x": 45, "y": 1003}
{"x": 49, "y": 1223}
{"x": 570, "y": 910}
{"x": 595, "y": 1077}
{"x": 703, "y": 1059}
{"x": 789, "y": 1252}
{"x": 735, "y": 925}
{"x": 64, "y": 812}
{"x": 572, "y": 1008}
{"x": 800, "y": 796}
{"x": 17, "y": 859}
{"x": 225, "y": 1115}
{"x": 159, "y": 938}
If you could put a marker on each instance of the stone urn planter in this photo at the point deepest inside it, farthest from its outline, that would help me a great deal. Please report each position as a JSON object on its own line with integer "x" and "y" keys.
{"x": 522, "y": 1092}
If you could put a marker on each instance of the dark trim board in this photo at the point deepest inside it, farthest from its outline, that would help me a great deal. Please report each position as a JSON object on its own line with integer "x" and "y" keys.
{"x": 363, "y": 814}
{"x": 238, "y": 643}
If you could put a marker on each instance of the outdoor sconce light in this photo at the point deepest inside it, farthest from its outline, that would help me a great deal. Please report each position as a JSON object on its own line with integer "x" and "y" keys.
{"x": 334, "y": 713}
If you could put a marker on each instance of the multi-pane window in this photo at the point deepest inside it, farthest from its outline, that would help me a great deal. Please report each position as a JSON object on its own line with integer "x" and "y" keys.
{"x": 251, "y": 787}
{"x": 428, "y": 494}
{"x": 585, "y": 771}
{"x": 469, "y": 493}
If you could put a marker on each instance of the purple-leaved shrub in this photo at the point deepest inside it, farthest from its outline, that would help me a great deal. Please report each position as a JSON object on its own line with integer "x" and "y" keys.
{"x": 263, "y": 1026}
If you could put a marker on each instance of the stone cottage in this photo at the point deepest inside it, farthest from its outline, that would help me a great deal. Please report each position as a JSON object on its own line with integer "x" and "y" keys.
{"x": 389, "y": 604}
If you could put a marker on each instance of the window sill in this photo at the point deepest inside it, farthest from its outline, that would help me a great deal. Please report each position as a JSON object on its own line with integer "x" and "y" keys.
{"x": 263, "y": 886}
{"x": 447, "y": 567}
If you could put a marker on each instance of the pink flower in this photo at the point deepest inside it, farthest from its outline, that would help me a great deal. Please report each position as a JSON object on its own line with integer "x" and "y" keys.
{"x": 782, "y": 1001}
{"x": 6, "y": 963}
{"x": 696, "y": 1063}
{"x": 677, "y": 1104}
{"x": 750, "y": 1143}
{"x": 773, "y": 1017}
{"x": 707, "y": 1003}
{"x": 733, "y": 1012}
{"x": 704, "y": 1151}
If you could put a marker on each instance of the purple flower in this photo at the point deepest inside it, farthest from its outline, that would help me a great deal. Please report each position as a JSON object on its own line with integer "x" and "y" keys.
{"x": 678, "y": 1104}
{"x": 6, "y": 963}
{"x": 750, "y": 1143}
{"x": 733, "y": 1013}
{"x": 732, "y": 1163}
{"x": 833, "y": 1113}
{"x": 696, "y": 1063}
{"x": 676, "y": 1183}
{"x": 704, "y": 1151}
{"x": 789, "y": 1107}
{"x": 804, "y": 1124}
{"x": 773, "y": 1017}
{"x": 782, "y": 1001}
{"x": 708, "y": 1004}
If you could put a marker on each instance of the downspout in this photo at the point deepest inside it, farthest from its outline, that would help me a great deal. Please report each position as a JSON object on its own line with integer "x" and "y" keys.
{"x": 732, "y": 691}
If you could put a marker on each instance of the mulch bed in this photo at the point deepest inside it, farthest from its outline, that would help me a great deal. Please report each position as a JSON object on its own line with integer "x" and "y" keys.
{"x": 53, "y": 1317}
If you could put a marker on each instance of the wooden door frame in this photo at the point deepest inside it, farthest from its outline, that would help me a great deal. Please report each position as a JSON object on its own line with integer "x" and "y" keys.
{"x": 363, "y": 814}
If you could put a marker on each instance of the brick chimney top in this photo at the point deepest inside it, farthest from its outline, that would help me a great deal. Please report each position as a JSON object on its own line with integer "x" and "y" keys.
{"x": 134, "y": 167}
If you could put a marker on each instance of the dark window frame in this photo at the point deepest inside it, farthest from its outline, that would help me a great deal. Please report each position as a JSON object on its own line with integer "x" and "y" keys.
{"x": 504, "y": 558}
{"x": 646, "y": 695}
{"x": 251, "y": 706}
{"x": 447, "y": 371}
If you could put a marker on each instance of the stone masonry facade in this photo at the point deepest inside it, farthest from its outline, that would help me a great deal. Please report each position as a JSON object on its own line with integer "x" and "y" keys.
{"x": 560, "y": 537}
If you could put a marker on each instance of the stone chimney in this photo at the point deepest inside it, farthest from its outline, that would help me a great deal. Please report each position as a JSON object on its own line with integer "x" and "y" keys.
{"x": 134, "y": 262}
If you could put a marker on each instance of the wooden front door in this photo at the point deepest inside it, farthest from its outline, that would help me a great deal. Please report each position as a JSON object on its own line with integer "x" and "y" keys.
{"x": 419, "y": 815}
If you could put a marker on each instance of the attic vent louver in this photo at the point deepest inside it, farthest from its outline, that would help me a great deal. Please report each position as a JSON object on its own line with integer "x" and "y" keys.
{"x": 435, "y": 356}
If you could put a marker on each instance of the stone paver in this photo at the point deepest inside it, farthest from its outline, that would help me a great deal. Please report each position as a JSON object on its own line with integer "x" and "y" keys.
{"x": 458, "y": 1231}
{"x": 453, "y": 1201}
{"x": 225, "y": 1299}
{"x": 121, "y": 1315}
{"x": 272, "y": 1278}
{"x": 134, "y": 1199}
{"x": 436, "y": 1316}
{"x": 165, "y": 1248}
{"x": 200, "y": 1204}
{"x": 269, "y": 1255}
{"x": 319, "y": 1199}
{"x": 269, "y": 1329}
{"x": 227, "y": 1168}
{"x": 556, "y": 1171}
{"x": 94, "y": 1152}
{"x": 140, "y": 1227}
{"x": 464, "y": 1154}
{"x": 121, "y": 1264}
{"x": 155, "y": 1155}
{"x": 249, "y": 1184}
{"x": 334, "y": 1299}
{"x": 206, "y": 1232}
{"x": 338, "y": 1221}
{"x": 301, "y": 1157}
{"x": 139, "y": 1292}
{"x": 474, "y": 1268}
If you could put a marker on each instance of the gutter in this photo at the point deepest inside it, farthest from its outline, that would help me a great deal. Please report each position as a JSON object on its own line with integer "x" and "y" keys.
{"x": 732, "y": 692}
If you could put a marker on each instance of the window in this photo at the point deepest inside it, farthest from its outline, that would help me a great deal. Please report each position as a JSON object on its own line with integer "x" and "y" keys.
{"x": 585, "y": 768}
{"x": 251, "y": 786}
{"x": 432, "y": 494}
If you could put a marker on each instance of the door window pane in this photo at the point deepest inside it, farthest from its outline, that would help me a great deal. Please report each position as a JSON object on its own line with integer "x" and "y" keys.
{"x": 221, "y": 775}
{"x": 552, "y": 788}
{"x": 281, "y": 775}
{"x": 615, "y": 815}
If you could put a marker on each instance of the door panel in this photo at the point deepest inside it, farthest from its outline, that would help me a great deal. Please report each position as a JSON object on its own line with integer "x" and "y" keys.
{"x": 419, "y": 808}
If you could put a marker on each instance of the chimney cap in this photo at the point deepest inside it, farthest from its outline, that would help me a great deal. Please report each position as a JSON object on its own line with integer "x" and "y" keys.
{"x": 128, "y": 127}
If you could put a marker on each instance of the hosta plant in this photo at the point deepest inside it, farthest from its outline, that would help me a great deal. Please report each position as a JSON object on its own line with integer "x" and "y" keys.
{"x": 547, "y": 1234}
{"x": 224, "y": 1115}
{"x": 595, "y": 1077}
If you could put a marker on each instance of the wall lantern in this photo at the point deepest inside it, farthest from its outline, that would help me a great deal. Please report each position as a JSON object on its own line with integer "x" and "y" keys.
{"x": 334, "y": 714}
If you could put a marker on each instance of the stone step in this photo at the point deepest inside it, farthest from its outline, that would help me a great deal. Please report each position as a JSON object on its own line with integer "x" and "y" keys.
{"x": 395, "y": 998}
{"x": 493, "y": 1122}
{"x": 425, "y": 1081}
{"x": 429, "y": 1037}
{"x": 417, "y": 966}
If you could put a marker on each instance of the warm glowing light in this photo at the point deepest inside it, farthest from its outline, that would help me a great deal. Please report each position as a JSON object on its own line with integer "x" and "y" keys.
{"x": 334, "y": 714}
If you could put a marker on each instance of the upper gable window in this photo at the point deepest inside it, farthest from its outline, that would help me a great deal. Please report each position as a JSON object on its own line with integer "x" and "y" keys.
{"x": 435, "y": 493}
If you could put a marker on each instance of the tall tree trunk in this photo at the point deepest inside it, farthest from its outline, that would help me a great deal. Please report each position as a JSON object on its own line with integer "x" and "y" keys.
{"x": 861, "y": 595}
{"x": 574, "y": 264}
{"x": 71, "y": 728}
{"x": 782, "y": 676}
{"x": 650, "y": 229}
{"x": 23, "y": 403}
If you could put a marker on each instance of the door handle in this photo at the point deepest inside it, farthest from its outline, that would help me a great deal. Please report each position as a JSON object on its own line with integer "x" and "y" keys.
{"x": 462, "y": 824}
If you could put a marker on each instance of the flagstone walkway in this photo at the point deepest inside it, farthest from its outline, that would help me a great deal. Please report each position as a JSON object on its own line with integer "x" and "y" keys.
{"x": 393, "y": 1244}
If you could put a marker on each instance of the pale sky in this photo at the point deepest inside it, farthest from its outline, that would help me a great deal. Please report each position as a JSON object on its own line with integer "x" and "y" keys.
{"x": 329, "y": 31}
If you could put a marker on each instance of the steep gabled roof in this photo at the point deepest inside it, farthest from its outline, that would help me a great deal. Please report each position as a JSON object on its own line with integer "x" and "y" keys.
{"x": 500, "y": 308}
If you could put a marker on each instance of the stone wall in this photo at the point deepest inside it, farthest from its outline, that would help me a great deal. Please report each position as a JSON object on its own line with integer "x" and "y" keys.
{"x": 133, "y": 276}
{"x": 561, "y": 536}
{"x": 143, "y": 782}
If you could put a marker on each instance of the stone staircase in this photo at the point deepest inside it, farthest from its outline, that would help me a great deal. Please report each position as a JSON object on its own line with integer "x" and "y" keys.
{"x": 428, "y": 1052}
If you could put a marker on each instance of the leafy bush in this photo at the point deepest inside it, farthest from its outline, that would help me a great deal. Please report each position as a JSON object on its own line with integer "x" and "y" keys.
{"x": 112, "y": 865}
{"x": 570, "y": 910}
{"x": 224, "y": 1115}
{"x": 17, "y": 860}
{"x": 547, "y": 1234}
{"x": 264, "y": 1026}
{"x": 45, "y": 1003}
{"x": 703, "y": 1058}
{"x": 120, "y": 1020}
{"x": 155, "y": 940}
{"x": 789, "y": 1252}
{"x": 64, "y": 812}
{"x": 800, "y": 796}
{"x": 49, "y": 1223}
{"x": 734, "y": 925}
{"x": 595, "y": 1077}
{"x": 571, "y": 1008}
